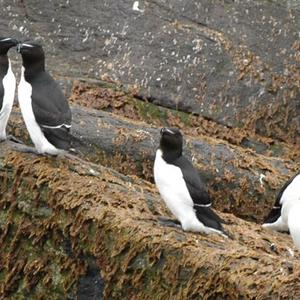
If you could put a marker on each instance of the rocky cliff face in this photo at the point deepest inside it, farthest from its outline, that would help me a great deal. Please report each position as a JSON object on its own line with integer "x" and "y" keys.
{"x": 234, "y": 62}
{"x": 227, "y": 74}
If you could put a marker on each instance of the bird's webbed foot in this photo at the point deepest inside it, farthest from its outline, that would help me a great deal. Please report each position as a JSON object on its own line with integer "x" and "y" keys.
{"x": 14, "y": 139}
{"x": 169, "y": 222}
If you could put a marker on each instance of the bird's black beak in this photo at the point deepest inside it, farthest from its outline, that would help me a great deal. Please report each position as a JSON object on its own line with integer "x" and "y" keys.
{"x": 10, "y": 42}
{"x": 14, "y": 42}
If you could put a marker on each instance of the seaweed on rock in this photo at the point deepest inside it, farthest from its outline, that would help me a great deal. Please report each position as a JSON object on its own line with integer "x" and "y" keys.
{"x": 60, "y": 218}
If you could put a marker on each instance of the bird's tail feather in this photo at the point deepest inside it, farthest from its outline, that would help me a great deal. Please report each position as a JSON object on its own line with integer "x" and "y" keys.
{"x": 62, "y": 138}
{"x": 210, "y": 219}
{"x": 273, "y": 215}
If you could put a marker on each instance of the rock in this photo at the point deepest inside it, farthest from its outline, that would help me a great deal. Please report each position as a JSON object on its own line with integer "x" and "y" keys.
{"x": 61, "y": 223}
{"x": 90, "y": 285}
{"x": 240, "y": 181}
{"x": 226, "y": 73}
{"x": 234, "y": 62}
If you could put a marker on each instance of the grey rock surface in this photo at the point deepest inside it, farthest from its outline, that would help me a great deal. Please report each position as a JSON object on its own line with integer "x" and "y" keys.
{"x": 235, "y": 62}
{"x": 239, "y": 181}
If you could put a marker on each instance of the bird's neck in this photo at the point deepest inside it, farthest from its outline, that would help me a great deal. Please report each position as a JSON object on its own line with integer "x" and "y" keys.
{"x": 171, "y": 156}
{"x": 32, "y": 69}
{"x": 4, "y": 64}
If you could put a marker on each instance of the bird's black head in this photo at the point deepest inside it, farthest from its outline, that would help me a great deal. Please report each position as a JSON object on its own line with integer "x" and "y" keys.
{"x": 31, "y": 52}
{"x": 171, "y": 142}
{"x": 33, "y": 57}
{"x": 6, "y": 43}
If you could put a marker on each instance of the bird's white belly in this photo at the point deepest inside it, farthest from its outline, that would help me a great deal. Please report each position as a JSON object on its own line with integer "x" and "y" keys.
{"x": 24, "y": 96}
{"x": 9, "y": 84}
{"x": 290, "y": 214}
{"x": 290, "y": 198}
{"x": 278, "y": 225}
{"x": 172, "y": 188}
{"x": 292, "y": 192}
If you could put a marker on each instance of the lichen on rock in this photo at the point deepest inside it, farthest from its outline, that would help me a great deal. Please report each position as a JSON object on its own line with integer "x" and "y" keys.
{"x": 60, "y": 223}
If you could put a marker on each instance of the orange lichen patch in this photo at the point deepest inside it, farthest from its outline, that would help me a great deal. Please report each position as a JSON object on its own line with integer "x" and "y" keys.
{"x": 55, "y": 217}
{"x": 103, "y": 98}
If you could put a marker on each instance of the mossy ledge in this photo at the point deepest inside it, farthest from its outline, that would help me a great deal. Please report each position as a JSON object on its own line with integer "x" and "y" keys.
{"x": 73, "y": 230}
{"x": 239, "y": 180}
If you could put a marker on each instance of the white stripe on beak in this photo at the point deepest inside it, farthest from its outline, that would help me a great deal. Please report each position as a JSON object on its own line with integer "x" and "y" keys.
{"x": 58, "y": 126}
{"x": 27, "y": 45}
{"x": 169, "y": 130}
{"x": 5, "y": 39}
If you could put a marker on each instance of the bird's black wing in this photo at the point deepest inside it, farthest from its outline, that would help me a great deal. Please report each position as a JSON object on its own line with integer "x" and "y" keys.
{"x": 199, "y": 194}
{"x": 273, "y": 215}
{"x": 51, "y": 111}
{"x": 2, "y": 74}
{"x": 275, "y": 212}
{"x": 50, "y": 107}
{"x": 1, "y": 94}
{"x": 59, "y": 137}
{"x": 209, "y": 218}
{"x": 193, "y": 182}
{"x": 278, "y": 198}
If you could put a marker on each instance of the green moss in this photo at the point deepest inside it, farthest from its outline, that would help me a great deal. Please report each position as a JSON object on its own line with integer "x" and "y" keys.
{"x": 150, "y": 112}
{"x": 3, "y": 217}
{"x": 184, "y": 117}
{"x": 277, "y": 149}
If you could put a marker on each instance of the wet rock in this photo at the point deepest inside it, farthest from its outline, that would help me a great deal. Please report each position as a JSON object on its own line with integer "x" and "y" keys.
{"x": 91, "y": 285}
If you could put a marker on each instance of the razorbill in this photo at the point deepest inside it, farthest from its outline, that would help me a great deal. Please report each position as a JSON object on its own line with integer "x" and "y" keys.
{"x": 44, "y": 108}
{"x": 7, "y": 84}
{"x": 290, "y": 191}
{"x": 181, "y": 187}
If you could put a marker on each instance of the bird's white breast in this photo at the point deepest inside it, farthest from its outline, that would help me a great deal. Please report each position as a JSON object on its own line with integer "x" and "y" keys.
{"x": 292, "y": 192}
{"x": 290, "y": 213}
{"x": 278, "y": 225}
{"x": 172, "y": 187}
{"x": 290, "y": 198}
{"x": 9, "y": 84}
{"x": 25, "y": 101}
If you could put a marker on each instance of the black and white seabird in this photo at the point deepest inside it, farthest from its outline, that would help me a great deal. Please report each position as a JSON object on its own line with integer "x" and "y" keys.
{"x": 288, "y": 193}
{"x": 181, "y": 187}
{"x": 45, "y": 109}
{"x": 7, "y": 84}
